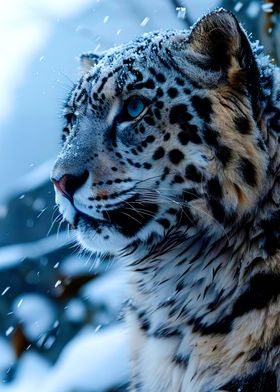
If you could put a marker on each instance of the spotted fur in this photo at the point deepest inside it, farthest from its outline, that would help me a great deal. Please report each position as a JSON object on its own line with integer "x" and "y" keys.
{"x": 187, "y": 195}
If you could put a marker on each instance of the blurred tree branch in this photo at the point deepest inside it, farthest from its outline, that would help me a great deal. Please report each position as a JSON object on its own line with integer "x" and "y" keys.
{"x": 271, "y": 30}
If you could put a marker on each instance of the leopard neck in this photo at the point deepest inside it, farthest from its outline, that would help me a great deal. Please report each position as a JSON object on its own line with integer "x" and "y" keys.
{"x": 207, "y": 281}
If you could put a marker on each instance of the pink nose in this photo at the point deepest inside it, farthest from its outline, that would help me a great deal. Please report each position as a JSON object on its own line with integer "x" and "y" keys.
{"x": 68, "y": 184}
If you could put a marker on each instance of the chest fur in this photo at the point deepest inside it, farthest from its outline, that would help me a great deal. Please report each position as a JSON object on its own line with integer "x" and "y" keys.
{"x": 197, "y": 317}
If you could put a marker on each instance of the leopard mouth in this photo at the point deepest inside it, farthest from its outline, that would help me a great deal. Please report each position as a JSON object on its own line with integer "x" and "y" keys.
{"x": 128, "y": 218}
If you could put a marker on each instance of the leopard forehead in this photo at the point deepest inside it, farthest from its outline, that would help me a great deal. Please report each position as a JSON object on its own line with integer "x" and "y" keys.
{"x": 127, "y": 64}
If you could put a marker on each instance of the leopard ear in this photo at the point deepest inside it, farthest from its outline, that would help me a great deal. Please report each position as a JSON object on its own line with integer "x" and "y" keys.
{"x": 88, "y": 61}
{"x": 220, "y": 39}
{"x": 219, "y": 44}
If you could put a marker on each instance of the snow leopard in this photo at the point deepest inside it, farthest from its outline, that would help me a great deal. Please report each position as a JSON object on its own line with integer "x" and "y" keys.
{"x": 170, "y": 161}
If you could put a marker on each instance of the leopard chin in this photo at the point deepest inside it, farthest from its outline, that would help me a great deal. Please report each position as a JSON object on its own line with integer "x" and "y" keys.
{"x": 100, "y": 238}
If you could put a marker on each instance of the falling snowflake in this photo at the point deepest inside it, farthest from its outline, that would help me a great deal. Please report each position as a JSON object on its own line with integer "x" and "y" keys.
{"x": 5, "y": 291}
{"x": 238, "y": 6}
{"x": 181, "y": 12}
{"x": 9, "y": 331}
{"x": 144, "y": 21}
{"x": 20, "y": 303}
{"x": 58, "y": 283}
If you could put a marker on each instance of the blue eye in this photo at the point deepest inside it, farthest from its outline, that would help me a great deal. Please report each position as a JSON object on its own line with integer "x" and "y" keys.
{"x": 135, "y": 107}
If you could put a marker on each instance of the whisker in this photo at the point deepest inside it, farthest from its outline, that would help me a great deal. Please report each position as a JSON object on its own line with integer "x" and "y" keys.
{"x": 53, "y": 223}
{"x": 131, "y": 217}
{"x": 144, "y": 212}
{"x": 157, "y": 196}
{"x": 59, "y": 226}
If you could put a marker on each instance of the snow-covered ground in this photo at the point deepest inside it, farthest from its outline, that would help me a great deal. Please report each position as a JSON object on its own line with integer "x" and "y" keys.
{"x": 91, "y": 362}
{"x": 95, "y": 360}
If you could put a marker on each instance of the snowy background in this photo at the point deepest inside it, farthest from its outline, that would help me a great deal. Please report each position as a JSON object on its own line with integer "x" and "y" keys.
{"x": 61, "y": 328}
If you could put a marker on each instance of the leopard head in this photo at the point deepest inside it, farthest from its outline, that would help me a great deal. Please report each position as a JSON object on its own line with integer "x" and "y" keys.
{"x": 163, "y": 133}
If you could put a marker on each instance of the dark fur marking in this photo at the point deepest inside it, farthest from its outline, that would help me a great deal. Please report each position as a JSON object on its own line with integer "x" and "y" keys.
{"x": 190, "y": 194}
{"x": 224, "y": 154}
{"x": 261, "y": 381}
{"x": 159, "y": 76}
{"x": 247, "y": 171}
{"x": 149, "y": 84}
{"x": 211, "y": 137}
{"x": 191, "y": 173}
{"x": 217, "y": 210}
{"x": 180, "y": 81}
{"x": 203, "y": 107}
{"x": 149, "y": 120}
{"x": 159, "y": 153}
{"x": 157, "y": 113}
{"x": 130, "y": 224}
{"x": 179, "y": 115}
{"x": 176, "y": 156}
{"x": 164, "y": 222}
{"x": 166, "y": 171}
{"x": 159, "y": 104}
{"x": 144, "y": 322}
{"x": 220, "y": 327}
{"x": 189, "y": 135}
{"x": 271, "y": 228}
{"x": 150, "y": 139}
{"x": 159, "y": 92}
{"x": 166, "y": 137}
{"x": 242, "y": 125}
{"x": 217, "y": 301}
{"x": 215, "y": 188}
{"x": 262, "y": 289}
{"x": 181, "y": 360}
{"x": 257, "y": 355}
{"x": 275, "y": 121}
{"x": 165, "y": 332}
{"x": 172, "y": 92}
{"x": 183, "y": 138}
{"x": 178, "y": 179}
